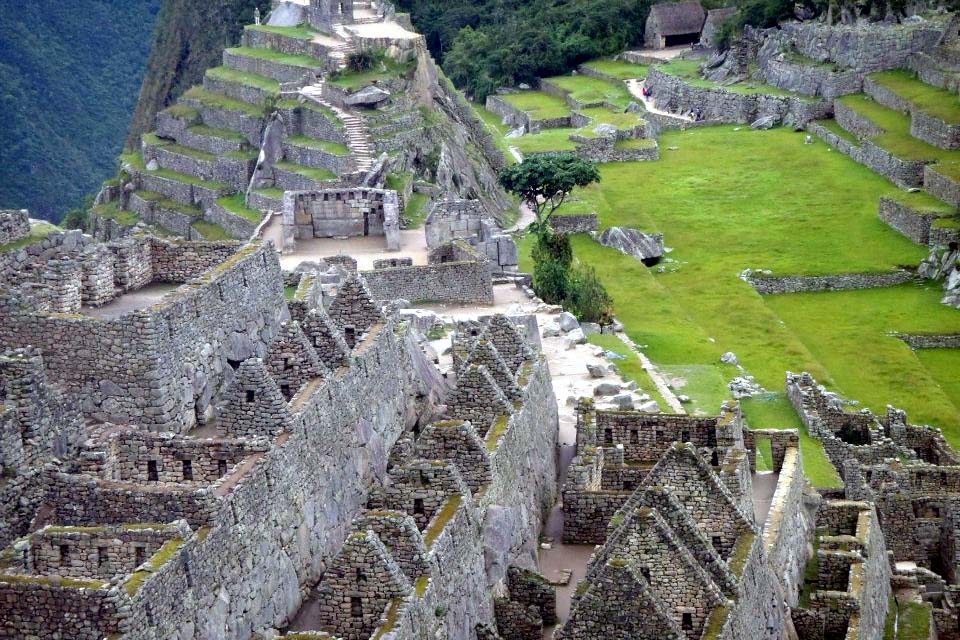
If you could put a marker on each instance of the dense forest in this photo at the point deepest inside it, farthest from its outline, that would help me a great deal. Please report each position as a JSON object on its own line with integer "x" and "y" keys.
{"x": 69, "y": 74}
{"x": 484, "y": 44}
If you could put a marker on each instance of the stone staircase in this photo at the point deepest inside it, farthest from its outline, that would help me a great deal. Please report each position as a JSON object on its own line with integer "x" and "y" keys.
{"x": 342, "y": 51}
{"x": 358, "y": 136}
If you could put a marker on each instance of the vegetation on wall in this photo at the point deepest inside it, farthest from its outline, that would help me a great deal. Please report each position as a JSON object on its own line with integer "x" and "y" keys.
{"x": 69, "y": 73}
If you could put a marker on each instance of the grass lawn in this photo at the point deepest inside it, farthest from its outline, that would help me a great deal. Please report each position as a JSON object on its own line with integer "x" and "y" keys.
{"x": 727, "y": 200}
{"x": 223, "y": 134}
{"x": 546, "y": 140}
{"x": 236, "y": 204}
{"x": 834, "y": 127}
{"x": 387, "y": 69}
{"x": 305, "y": 62}
{"x": 111, "y": 211}
{"x": 415, "y": 210}
{"x": 896, "y": 126}
{"x": 38, "y": 232}
{"x": 496, "y": 128}
{"x": 931, "y": 100}
{"x": 162, "y": 202}
{"x": 300, "y": 32}
{"x": 631, "y": 368}
{"x": 914, "y": 621}
{"x": 217, "y": 101}
{"x": 943, "y": 365}
{"x": 619, "y": 119}
{"x": 635, "y": 143}
{"x": 210, "y": 231}
{"x": 333, "y": 148}
{"x": 540, "y": 105}
{"x": 233, "y": 76}
{"x": 774, "y": 411}
{"x": 618, "y": 69}
{"x": 847, "y": 332}
{"x": 318, "y": 175}
{"x": 587, "y": 89}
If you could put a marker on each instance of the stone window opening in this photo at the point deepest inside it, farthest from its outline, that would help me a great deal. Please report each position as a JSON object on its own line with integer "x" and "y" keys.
{"x": 418, "y": 506}
{"x": 188, "y": 470}
{"x": 716, "y": 542}
{"x": 287, "y": 364}
{"x": 714, "y": 458}
{"x": 64, "y": 554}
{"x": 356, "y": 607}
{"x": 711, "y": 437}
{"x": 608, "y": 436}
{"x": 152, "y": 474}
{"x": 101, "y": 556}
{"x": 424, "y": 479}
{"x": 140, "y": 555}
{"x": 234, "y": 364}
{"x": 685, "y": 436}
{"x": 350, "y": 334}
{"x": 251, "y": 395}
{"x": 660, "y": 437}
{"x": 222, "y": 467}
{"x": 629, "y": 485}
{"x": 645, "y": 572}
{"x": 686, "y": 622}
{"x": 361, "y": 576}
{"x": 285, "y": 390}
{"x": 634, "y": 436}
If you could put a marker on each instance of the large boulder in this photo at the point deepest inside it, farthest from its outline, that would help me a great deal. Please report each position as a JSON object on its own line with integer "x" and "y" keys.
{"x": 367, "y": 97}
{"x": 646, "y": 248}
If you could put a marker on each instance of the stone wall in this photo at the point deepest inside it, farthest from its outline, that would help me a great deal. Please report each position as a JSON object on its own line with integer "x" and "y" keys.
{"x": 179, "y": 349}
{"x": 343, "y": 213}
{"x": 912, "y": 223}
{"x": 906, "y": 174}
{"x": 789, "y": 526}
{"x": 14, "y": 225}
{"x": 923, "y": 126}
{"x": 569, "y": 224}
{"x": 811, "y": 79}
{"x": 872, "y": 47}
{"x": 674, "y": 95}
{"x": 517, "y": 118}
{"x": 48, "y": 607}
{"x": 931, "y": 341}
{"x": 938, "y": 183}
{"x": 775, "y": 285}
{"x": 463, "y": 280}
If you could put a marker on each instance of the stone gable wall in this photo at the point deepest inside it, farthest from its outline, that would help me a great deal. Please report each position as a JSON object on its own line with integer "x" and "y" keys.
{"x": 14, "y": 225}
{"x": 463, "y": 281}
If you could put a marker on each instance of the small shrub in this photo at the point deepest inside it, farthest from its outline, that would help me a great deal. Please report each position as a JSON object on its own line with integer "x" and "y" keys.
{"x": 359, "y": 61}
{"x": 587, "y": 298}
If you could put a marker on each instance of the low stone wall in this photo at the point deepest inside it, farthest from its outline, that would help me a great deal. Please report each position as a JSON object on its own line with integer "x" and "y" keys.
{"x": 48, "y": 607}
{"x": 941, "y": 186}
{"x": 456, "y": 282}
{"x": 910, "y": 222}
{"x": 930, "y": 341}
{"x": 905, "y": 174}
{"x": 930, "y": 72}
{"x": 14, "y": 225}
{"x": 674, "y": 95}
{"x": 516, "y": 118}
{"x": 922, "y": 125}
{"x": 249, "y": 126}
{"x": 853, "y": 122}
{"x": 582, "y": 223}
{"x": 261, "y": 39}
{"x": 811, "y": 80}
{"x": 237, "y": 90}
{"x": 150, "y": 212}
{"x": 277, "y": 70}
{"x": 789, "y": 526}
{"x": 603, "y": 149}
{"x": 236, "y": 226}
{"x": 775, "y": 285}
{"x": 313, "y": 122}
{"x": 317, "y": 158}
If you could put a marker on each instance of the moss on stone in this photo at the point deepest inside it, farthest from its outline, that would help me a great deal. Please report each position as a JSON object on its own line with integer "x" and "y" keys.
{"x": 421, "y": 587}
{"x": 497, "y": 429}
{"x": 713, "y": 627}
{"x": 441, "y": 519}
{"x": 390, "y": 620}
{"x": 54, "y": 581}
{"x": 741, "y": 551}
{"x": 154, "y": 564}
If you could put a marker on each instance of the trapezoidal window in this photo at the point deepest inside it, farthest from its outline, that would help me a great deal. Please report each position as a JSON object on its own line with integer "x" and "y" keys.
{"x": 687, "y": 622}
{"x": 251, "y": 395}
{"x": 222, "y": 467}
{"x": 188, "y": 470}
{"x": 152, "y": 474}
{"x": 418, "y": 506}
{"x": 356, "y": 607}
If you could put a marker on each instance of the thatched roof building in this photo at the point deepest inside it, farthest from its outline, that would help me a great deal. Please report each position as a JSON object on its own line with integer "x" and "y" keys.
{"x": 674, "y": 23}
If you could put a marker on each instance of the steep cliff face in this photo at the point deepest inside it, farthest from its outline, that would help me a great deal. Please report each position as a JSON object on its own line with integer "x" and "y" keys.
{"x": 189, "y": 39}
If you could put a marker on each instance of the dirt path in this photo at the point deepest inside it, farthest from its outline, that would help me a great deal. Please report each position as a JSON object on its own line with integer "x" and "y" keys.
{"x": 636, "y": 90}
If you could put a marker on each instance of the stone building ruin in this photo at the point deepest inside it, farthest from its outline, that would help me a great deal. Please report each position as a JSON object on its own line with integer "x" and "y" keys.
{"x": 671, "y": 24}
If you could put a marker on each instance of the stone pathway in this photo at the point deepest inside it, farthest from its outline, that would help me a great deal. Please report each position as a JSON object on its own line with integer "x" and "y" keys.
{"x": 358, "y": 136}
{"x": 655, "y": 375}
{"x": 636, "y": 90}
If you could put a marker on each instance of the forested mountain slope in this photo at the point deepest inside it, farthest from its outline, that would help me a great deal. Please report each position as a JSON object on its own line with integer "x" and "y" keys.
{"x": 190, "y": 38}
{"x": 69, "y": 73}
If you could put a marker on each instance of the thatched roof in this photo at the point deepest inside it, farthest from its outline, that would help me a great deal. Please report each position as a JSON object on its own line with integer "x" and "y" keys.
{"x": 676, "y": 18}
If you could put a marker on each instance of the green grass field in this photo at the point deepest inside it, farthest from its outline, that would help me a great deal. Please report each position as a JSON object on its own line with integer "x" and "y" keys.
{"x": 546, "y": 140}
{"x": 333, "y": 148}
{"x": 618, "y": 69}
{"x": 689, "y": 71}
{"x": 896, "y": 126}
{"x": 931, "y": 100}
{"x": 587, "y": 89}
{"x": 247, "y": 79}
{"x": 728, "y": 200}
{"x": 540, "y": 105}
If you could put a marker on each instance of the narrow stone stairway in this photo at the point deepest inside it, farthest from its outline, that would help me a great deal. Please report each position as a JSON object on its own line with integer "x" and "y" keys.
{"x": 358, "y": 136}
